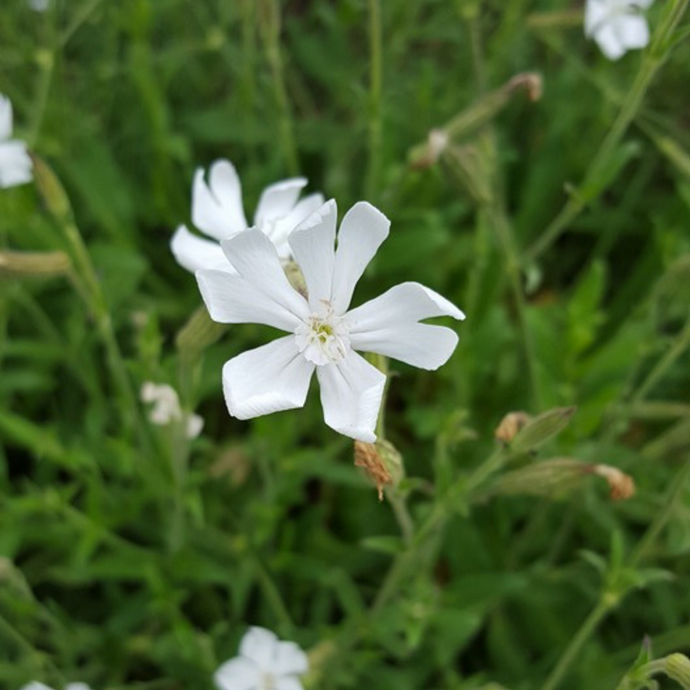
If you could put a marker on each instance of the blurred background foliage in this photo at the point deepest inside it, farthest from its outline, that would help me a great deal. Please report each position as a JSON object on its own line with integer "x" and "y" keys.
{"x": 131, "y": 560}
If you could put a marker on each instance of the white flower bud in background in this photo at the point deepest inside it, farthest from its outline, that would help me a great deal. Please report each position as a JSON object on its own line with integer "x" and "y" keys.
{"x": 617, "y": 25}
{"x": 39, "y": 5}
{"x": 264, "y": 663}
{"x": 166, "y": 408}
{"x": 218, "y": 211}
{"x": 15, "y": 163}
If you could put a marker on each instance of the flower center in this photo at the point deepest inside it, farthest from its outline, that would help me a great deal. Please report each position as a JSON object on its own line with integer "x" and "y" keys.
{"x": 267, "y": 682}
{"x": 323, "y": 338}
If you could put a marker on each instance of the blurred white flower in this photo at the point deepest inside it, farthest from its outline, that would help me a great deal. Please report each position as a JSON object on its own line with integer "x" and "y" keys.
{"x": 264, "y": 663}
{"x": 70, "y": 686}
{"x": 39, "y": 5}
{"x": 166, "y": 408}
{"x": 617, "y": 25}
{"x": 323, "y": 334}
{"x": 15, "y": 163}
{"x": 218, "y": 211}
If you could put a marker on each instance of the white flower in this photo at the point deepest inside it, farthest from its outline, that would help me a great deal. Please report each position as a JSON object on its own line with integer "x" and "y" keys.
{"x": 217, "y": 210}
{"x": 264, "y": 663}
{"x": 617, "y": 25}
{"x": 39, "y": 5}
{"x": 166, "y": 408}
{"x": 70, "y": 686}
{"x": 323, "y": 334}
{"x": 15, "y": 164}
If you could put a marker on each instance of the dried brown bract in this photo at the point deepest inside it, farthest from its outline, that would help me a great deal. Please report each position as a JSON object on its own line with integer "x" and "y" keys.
{"x": 367, "y": 457}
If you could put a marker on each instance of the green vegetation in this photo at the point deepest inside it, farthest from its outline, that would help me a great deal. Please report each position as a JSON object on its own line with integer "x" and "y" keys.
{"x": 132, "y": 558}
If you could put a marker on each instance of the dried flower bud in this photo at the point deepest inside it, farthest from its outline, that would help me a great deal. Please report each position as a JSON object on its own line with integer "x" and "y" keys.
{"x": 622, "y": 485}
{"x": 507, "y": 430}
{"x": 367, "y": 457}
{"x": 677, "y": 666}
{"x": 381, "y": 462}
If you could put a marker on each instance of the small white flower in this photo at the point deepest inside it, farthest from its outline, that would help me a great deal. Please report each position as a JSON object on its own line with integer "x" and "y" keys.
{"x": 166, "y": 408}
{"x": 39, "y": 5}
{"x": 218, "y": 211}
{"x": 323, "y": 334}
{"x": 264, "y": 663}
{"x": 617, "y": 25}
{"x": 70, "y": 686}
{"x": 15, "y": 163}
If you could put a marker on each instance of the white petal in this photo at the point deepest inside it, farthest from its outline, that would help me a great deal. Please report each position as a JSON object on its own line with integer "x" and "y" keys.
{"x": 284, "y": 226}
{"x": 313, "y": 246}
{"x": 288, "y": 683}
{"x": 278, "y": 200}
{"x": 388, "y": 325}
{"x": 289, "y": 659}
{"x": 238, "y": 674}
{"x": 15, "y": 164}
{"x": 35, "y": 685}
{"x": 596, "y": 14}
{"x": 268, "y": 379}
{"x": 217, "y": 207}
{"x": 362, "y": 231}
{"x": 5, "y": 118}
{"x": 195, "y": 424}
{"x": 77, "y": 686}
{"x": 259, "y": 645}
{"x": 609, "y": 42}
{"x": 230, "y": 298}
{"x": 633, "y": 31}
{"x": 351, "y": 393}
{"x": 193, "y": 252}
{"x": 255, "y": 259}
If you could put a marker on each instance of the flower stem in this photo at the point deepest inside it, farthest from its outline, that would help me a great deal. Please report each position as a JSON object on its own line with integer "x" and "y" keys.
{"x": 587, "y": 628}
{"x": 270, "y": 23}
{"x": 594, "y": 181}
{"x": 668, "y": 505}
{"x": 375, "y": 84}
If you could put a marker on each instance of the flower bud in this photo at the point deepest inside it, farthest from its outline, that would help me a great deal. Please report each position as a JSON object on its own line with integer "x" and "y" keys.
{"x": 622, "y": 485}
{"x": 508, "y": 429}
{"x": 544, "y": 478}
{"x": 677, "y": 666}
{"x": 381, "y": 462}
{"x": 541, "y": 429}
{"x": 198, "y": 333}
{"x": 51, "y": 190}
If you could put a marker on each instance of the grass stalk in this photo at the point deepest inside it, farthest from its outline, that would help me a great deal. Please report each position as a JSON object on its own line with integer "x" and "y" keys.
{"x": 375, "y": 89}
{"x": 271, "y": 25}
{"x": 652, "y": 60}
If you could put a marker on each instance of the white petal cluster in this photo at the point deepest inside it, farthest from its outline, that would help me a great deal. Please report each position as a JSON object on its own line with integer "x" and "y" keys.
{"x": 218, "y": 211}
{"x": 166, "y": 408}
{"x": 264, "y": 663}
{"x": 617, "y": 25}
{"x": 39, "y": 5}
{"x": 323, "y": 333}
{"x": 15, "y": 163}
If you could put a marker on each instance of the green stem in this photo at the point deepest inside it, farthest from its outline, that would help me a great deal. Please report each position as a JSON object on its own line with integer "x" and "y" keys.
{"x": 375, "y": 87}
{"x": 272, "y": 594}
{"x": 669, "y": 503}
{"x": 652, "y": 61}
{"x": 271, "y": 34}
{"x": 681, "y": 344}
{"x": 588, "y": 627}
